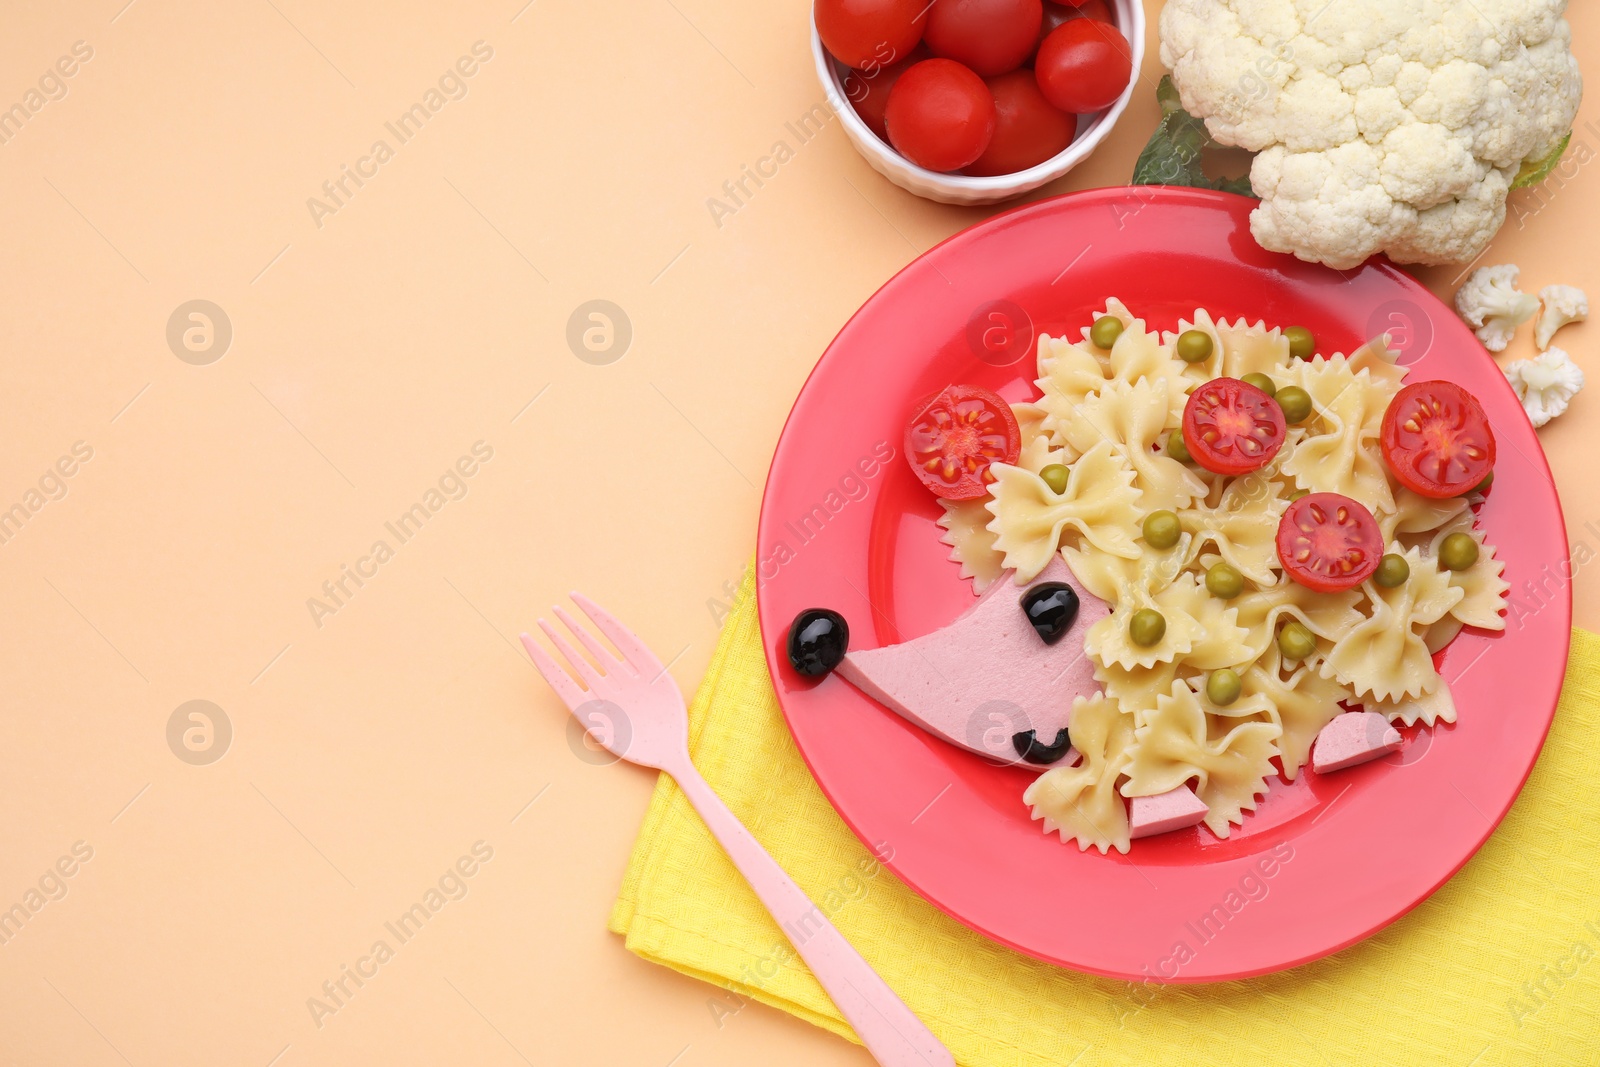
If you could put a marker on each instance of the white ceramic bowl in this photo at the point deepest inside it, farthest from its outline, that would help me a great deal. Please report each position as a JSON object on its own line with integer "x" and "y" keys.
{"x": 959, "y": 188}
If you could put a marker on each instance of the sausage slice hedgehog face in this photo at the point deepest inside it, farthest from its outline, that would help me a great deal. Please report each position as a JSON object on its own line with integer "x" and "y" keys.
{"x": 999, "y": 680}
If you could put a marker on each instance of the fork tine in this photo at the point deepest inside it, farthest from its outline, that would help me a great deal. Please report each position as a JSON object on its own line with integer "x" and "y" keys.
{"x": 633, "y": 650}
{"x": 580, "y": 666}
{"x": 554, "y": 676}
{"x": 603, "y": 655}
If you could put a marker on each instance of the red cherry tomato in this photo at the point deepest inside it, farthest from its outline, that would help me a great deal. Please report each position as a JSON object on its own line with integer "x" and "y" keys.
{"x": 953, "y": 437}
{"x": 1231, "y": 427}
{"x": 1083, "y": 65}
{"x": 990, "y": 36}
{"x": 862, "y": 32}
{"x": 940, "y": 115}
{"x": 868, "y": 90}
{"x": 1436, "y": 439}
{"x": 1027, "y": 130}
{"x": 1328, "y": 542}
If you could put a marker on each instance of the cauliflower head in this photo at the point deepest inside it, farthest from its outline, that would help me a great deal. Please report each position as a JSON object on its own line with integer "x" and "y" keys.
{"x": 1394, "y": 126}
{"x": 1545, "y": 384}
{"x": 1493, "y": 306}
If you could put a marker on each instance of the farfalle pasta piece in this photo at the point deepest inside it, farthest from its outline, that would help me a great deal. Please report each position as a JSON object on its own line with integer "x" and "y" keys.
{"x": 1242, "y": 526}
{"x": 1385, "y": 657}
{"x": 965, "y": 523}
{"x": 1081, "y": 802}
{"x": 1327, "y": 615}
{"x": 1340, "y": 453}
{"x": 1210, "y": 367}
{"x": 1068, "y": 373}
{"x": 1138, "y": 586}
{"x": 1133, "y": 417}
{"x": 1414, "y": 513}
{"x": 1173, "y": 745}
{"x": 1378, "y": 359}
{"x": 1135, "y": 688}
{"x": 1482, "y": 587}
{"x": 1250, "y": 349}
{"x": 1429, "y": 708}
{"x": 1302, "y": 705}
{"x": 1221, "y": 641}
{"x": 1100, "y": 503}
{"x": 1039, "y": 448}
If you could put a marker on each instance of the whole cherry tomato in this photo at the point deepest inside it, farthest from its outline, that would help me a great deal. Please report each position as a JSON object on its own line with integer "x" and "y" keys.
{"x": 1027, "y": 130}
{"x": 862, "y": 32}
{"x": 940, "y": 115}
{"x": 1058, "y": 12}
{"x": 990, "y": 36}
{"x": 868, "y": 89}
{"x": 1083, "y": 65}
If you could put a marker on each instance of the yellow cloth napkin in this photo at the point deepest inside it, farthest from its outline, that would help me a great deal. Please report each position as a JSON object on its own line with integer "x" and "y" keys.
{"x": 1500, "y": 966}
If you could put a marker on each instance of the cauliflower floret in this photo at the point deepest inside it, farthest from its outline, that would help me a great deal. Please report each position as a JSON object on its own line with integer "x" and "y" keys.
{"x": 1493, "y": 305}
{"x": 1545, "y": 384}
{"x": 1380, "y": 126}
{"x": 1562, "y": 304}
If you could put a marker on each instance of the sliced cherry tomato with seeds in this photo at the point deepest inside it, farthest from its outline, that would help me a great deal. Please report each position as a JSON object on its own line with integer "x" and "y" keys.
{"x": 1328, "y": 542}
{"x": 1231, "y": 427}
{"x": 1436, "y": 439}
{"x": 953, "y": 437}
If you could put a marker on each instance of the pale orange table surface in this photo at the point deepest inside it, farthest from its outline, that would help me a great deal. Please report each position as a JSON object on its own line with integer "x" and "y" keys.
{"x": 377, "y": 341}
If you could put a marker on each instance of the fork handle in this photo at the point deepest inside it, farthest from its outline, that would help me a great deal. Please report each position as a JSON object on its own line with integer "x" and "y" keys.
{"x": 889, "y": 1029}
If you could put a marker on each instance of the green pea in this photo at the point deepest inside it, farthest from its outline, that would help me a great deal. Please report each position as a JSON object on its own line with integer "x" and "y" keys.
{"x": 1147, "y": 627}
{"x": 1297, "y": 494}
{"x": 1224, "y": 581}
{"x": 1161, "y": 529}
{"x": 1302, "y": 342}
{"x": 1458, "y": 551}
{"x": 1177, "y": 449}
{"x": 1105, "y": 331}
{"x": 1392, "y": 570}
{"x": 1296, "y": 642}
{"x": 1223, "y": 687}
{"x": 1194, "y": 346}
{"x": 1261, "y": 382}
{"x": 1295, "y": 402}
{"x": 1055, "y": 476}
{"x": 1483, "y": 486}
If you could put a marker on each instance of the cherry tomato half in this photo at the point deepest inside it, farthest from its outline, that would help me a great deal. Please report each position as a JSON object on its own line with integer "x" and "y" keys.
{"x": 1436, "y": 439}
{"x": 868, "y": 89}
{"x": 1083, "y": 65}
{"x": 940, "y": 115}
{"x": 1328, "y": 542}
{"x": 955, "y": 434}
{"x": 862, "y": 32}
{"x": 989, "y": 36}
{"x": 1027, "y": 130}
{"x": 1231, "y": 427}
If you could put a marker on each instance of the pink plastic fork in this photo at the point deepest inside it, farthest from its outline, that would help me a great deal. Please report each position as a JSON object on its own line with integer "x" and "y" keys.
{"x": 633, "y": 708}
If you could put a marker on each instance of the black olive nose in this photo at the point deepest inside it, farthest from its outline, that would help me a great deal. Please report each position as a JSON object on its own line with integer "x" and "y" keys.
{"x": 1031, "y": 749}
{"x": 1051, "y": 607}
{"x": 818, "y": 639}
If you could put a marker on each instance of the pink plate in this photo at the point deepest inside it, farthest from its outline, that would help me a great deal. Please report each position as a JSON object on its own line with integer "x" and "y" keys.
{"x": 1323, "y": 862}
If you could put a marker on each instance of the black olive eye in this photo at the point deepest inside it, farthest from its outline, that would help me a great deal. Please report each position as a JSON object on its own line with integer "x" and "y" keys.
{"x": 1051, "y": 607}
{"x": 1033, "y": 750}
{"x": 817, "y": 641}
